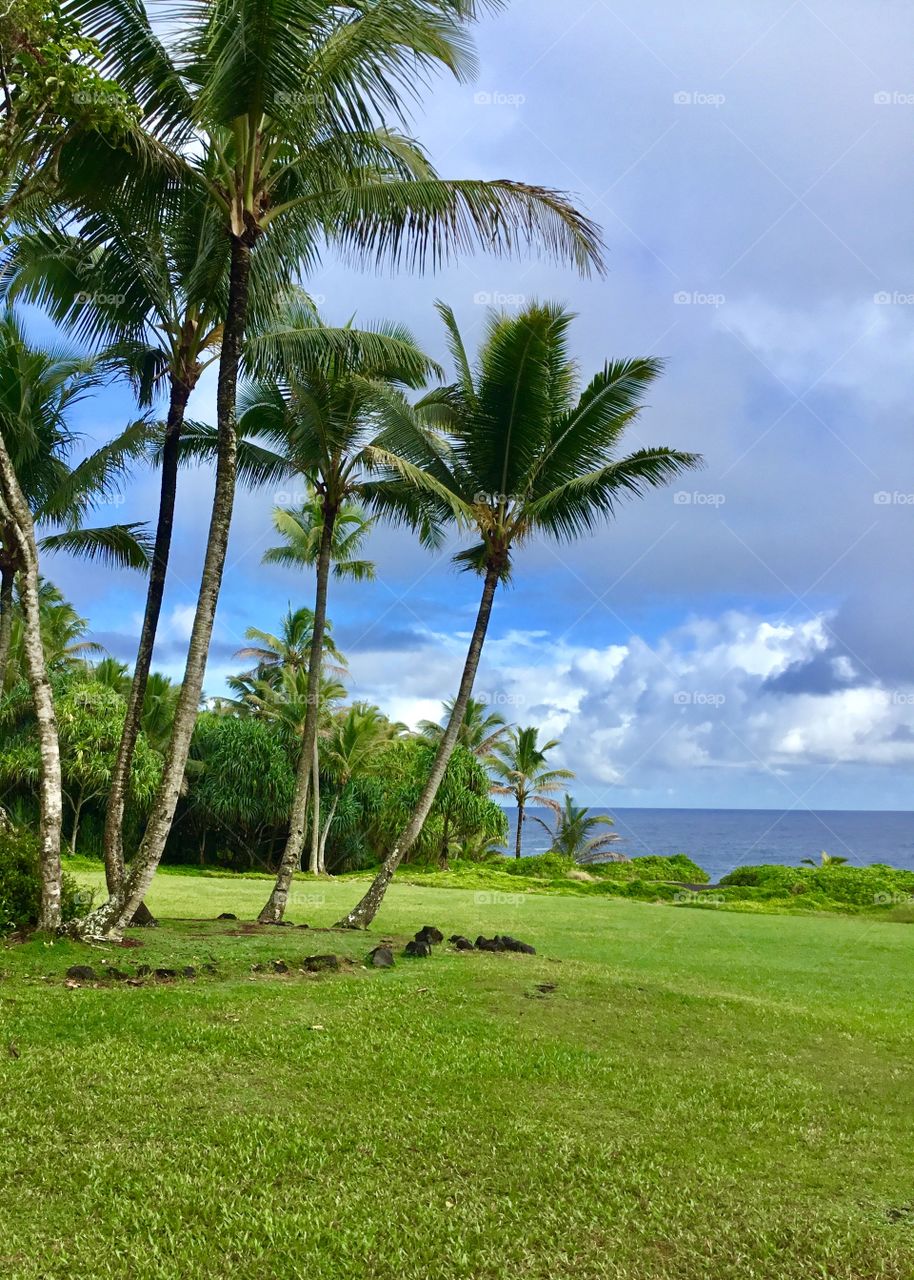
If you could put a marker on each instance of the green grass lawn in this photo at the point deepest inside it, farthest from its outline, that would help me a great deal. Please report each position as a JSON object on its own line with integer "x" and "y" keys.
{"x": 703, "y": 1095}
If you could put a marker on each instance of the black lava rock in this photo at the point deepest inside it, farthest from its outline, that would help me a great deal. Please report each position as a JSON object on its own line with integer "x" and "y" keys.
{"x": 188, "y": 971}
{"x": 428, "y": 933}
{"x": 461, "y": 943}
{"x": 514, "y": 944}
{"x": 166, "y": 973}
{"x": 82, "y": 973}
{"x": 316, "y": 964}
{"x": 381, "y": 958}
{"x": 489, "y": 944}
{"x": 227, "y": 915}
{"x": 417, "y": 948}
{"x": 280, "y": 966}
{"x": 117, "y": 974}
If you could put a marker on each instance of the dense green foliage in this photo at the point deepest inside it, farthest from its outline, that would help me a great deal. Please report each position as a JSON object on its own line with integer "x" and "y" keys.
{"x": 20, "y": 892}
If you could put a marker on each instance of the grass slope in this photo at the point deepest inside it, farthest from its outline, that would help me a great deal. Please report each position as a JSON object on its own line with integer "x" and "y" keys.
{"x": 703, "y": 1095}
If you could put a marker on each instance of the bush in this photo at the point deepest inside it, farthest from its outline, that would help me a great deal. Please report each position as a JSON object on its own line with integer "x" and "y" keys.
{"x": 877, "y": 885}
{"x": 20, "y": 884}
{"x": 542, "y": 866}
{"x": 678, "y": 868}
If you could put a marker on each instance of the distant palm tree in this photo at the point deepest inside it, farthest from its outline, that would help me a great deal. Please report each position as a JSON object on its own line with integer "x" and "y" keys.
{"x": 482, "y": 730}
{"x": 572, "y": 837}
{"x": 520, "y": 763}
{"x": 350, "y": 751}
{"x": 825, "y": 860}
{"x": 301, "y": 529}
{"x": 523, "y": 453}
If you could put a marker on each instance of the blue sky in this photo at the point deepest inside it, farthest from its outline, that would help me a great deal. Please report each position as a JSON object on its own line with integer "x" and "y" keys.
{"x": 743, "y": 639}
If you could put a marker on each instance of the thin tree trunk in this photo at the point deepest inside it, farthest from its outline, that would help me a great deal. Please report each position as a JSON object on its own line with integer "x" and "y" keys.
{"x": 520, "y": 826}
{"x": 113, "y": 843}
{"x": 365, "y": 911}
{"x": 114, "y": 915}
{"x": 321, "y": 857}
{"x": 275, "y": 906}
{"x": 315, "y": 812}
{"x": 77, "y": 810}
{"x": 16, "y": 511}
{"x": 7, "y": 578}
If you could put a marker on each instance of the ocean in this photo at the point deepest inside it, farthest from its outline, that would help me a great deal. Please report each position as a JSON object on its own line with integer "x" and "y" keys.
{"x": 721, "y": 839}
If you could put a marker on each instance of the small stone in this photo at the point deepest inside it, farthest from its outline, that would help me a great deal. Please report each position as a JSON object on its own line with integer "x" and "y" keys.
{"x": 381, "y": 957}
{"x": 428, "y": 933}
{"x": 166, "y": 973}
{"x": 316, "y": 964}
{"x": 280, "y": 966}
{"x": 514, "y": 944}
{"x": 188, "y": 971}
{"x": 227, "y": 915}
{"x": 489, "y": 944}
{"x": 461, "y": 943}
{"x": 417, "y": 948}
{"x": 258, "y": 968}
{"x": 81, "y": 973}
{"x": 303, "y": 926}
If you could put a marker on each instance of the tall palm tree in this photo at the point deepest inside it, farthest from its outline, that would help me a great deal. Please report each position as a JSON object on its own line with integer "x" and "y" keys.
{"x": 288, "y": 102}
{"x": 520, "y": 763}
{"x": 320, "y": 418}
{"x": 482, "y": 731}
{"x": 524, "y": 454}
{"x": 571, "y": 837}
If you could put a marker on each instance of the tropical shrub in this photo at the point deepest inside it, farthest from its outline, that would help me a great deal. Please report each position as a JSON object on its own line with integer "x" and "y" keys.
{"x": 20, "y": 889}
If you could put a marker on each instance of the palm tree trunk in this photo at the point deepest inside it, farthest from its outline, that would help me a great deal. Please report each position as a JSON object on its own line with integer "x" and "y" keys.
{"x": 321, "y": 857}
{"x": 315, "y": 812}
{"x": 365, "y": 911}
{"x": 115, "y": 914}
{"x": 520, "y": 826}
{"x": 120, "y": 777}
{"x": 16, "y": 511}
{"x": 74, "y": 832}
{"x": 275, "y": 906}
{"x": 7, "y": 578}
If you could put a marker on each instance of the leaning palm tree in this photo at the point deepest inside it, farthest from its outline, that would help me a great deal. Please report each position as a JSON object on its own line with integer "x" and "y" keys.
{"x": 482, "y": 731}
{"x": 350, "y": 751}
{"x": 289, "y": 103}
{"x": 520, "y": 764}
{"x": 524, "y": 454}
{"x": 571, "y": 837}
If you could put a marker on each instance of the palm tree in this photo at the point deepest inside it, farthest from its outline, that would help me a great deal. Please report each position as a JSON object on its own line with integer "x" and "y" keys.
{"x": 320, "y": 419}
{"x": 482, "y": 731}
{"x": 350, "y": 751}
{"x": 301, "y": 529}
{"x": 524, "y": 454}
{"x": 572, "y": 839}
{"x": 825, "y": 860}
{"x": 286, "y": 100}
{"x": 521, "y": 765}
{"x": 39, "y": 388}
{"x": 63, "y": 637}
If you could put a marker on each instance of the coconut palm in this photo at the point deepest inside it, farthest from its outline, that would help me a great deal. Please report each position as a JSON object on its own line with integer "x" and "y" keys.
{"x": 482, "y": 730}
{"x": 520, "y": 764}
{"x": 525, "y": 454}
{"x": 288, "y": 101}
{"x": 571, "y": 836}
{"x": 320, "y": 421}
{"x": 39, "y": 388}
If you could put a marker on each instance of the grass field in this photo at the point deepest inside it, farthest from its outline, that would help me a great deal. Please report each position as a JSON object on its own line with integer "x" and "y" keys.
{"x": 703, "y": 1095}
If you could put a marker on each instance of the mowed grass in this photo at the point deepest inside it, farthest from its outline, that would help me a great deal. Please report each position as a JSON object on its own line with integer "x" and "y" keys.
{"x": 703, "y": 1094}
